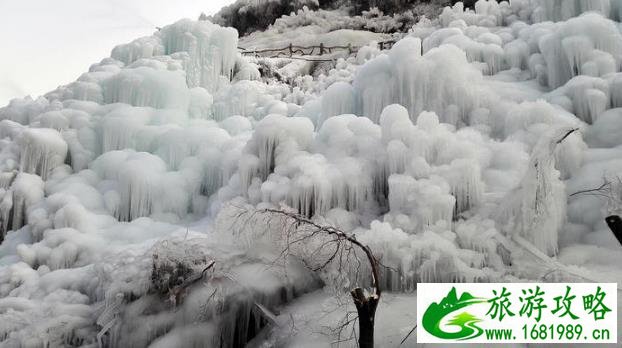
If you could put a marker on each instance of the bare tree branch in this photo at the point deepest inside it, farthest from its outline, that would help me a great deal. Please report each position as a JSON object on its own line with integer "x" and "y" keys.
{"x": 297, "y": 228}
{"x": 567, "y": 135}
{"x": 602, "y": 188}
{"x": 339, "y": 236}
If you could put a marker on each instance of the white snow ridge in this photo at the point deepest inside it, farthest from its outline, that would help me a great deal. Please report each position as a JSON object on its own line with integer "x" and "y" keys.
{"x": 137, "y": 203}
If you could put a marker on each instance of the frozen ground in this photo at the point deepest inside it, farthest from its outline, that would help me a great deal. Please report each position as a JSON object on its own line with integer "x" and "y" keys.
{"x": 457, "y": 155}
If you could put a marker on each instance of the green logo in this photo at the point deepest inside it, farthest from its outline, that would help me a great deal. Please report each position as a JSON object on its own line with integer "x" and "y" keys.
{"x": 465, "y": 321}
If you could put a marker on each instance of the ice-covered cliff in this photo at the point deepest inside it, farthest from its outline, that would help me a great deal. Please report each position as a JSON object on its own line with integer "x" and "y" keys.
{"x": 445, "y": 154}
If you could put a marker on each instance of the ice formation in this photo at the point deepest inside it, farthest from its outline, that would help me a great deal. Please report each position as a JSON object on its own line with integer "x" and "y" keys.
{"x": 21, "y": 192}
{"x": 42, "y": 150}
{"x": 206, "y": 51}
{"x": 540, "y": 211}
{"x": 436, "y": 81}
{"x": 439, "y": 153}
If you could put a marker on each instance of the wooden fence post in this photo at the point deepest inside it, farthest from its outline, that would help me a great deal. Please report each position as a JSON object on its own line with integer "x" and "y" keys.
{"x": 291, "y": 49}
{"x": 321, "y": 48}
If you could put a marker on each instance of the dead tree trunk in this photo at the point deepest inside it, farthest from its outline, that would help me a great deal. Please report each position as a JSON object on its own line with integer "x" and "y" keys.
{"x": 366, "y": 309}
{"x": 615, "y": 224}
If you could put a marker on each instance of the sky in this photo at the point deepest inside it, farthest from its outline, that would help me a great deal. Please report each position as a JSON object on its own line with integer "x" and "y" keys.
{"x": 48, "y": 43}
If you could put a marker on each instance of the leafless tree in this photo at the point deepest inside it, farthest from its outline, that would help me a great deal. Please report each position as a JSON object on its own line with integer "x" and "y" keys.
{"x": 344, "y": 245}
{"x": 320, "y": 246}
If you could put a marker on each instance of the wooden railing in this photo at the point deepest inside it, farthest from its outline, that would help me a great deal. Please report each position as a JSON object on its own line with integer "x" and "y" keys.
{"x": 297, "y": 52}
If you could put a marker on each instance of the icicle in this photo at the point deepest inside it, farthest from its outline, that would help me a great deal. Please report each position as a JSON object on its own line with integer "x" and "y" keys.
{"x": 6, "y": 210}
{"x": 201, "y": 102}
{"x": 338, "y": 99}
{"x": 589, "y": 95}
{"x": 119, "y": 128}
{"x": 212, "y": 51}
{"x": 397, "y": 157}
{"x": 517, "y": 54}
{"x": 576, "y": 49}
{"x": 426, "y": 202}
{"x": 6, "y": 179}
{"x": 561, "y": 10}
{"x": 42, "y": 150}
{"x": 589, "y": 38}
{"x": 493, "y": 55}
{"x": 25, "y": 191}
{"x": 431, "y": 82}
{"x": 138, "y": 178}
{"x": 146, "y": 86}
{"x": 145, "y": 47}
{"x": 278, "y": 136}
{"x": 615, "y": 88}
{"x": 464, "y": 177}
{"x": 79, "y": 157}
